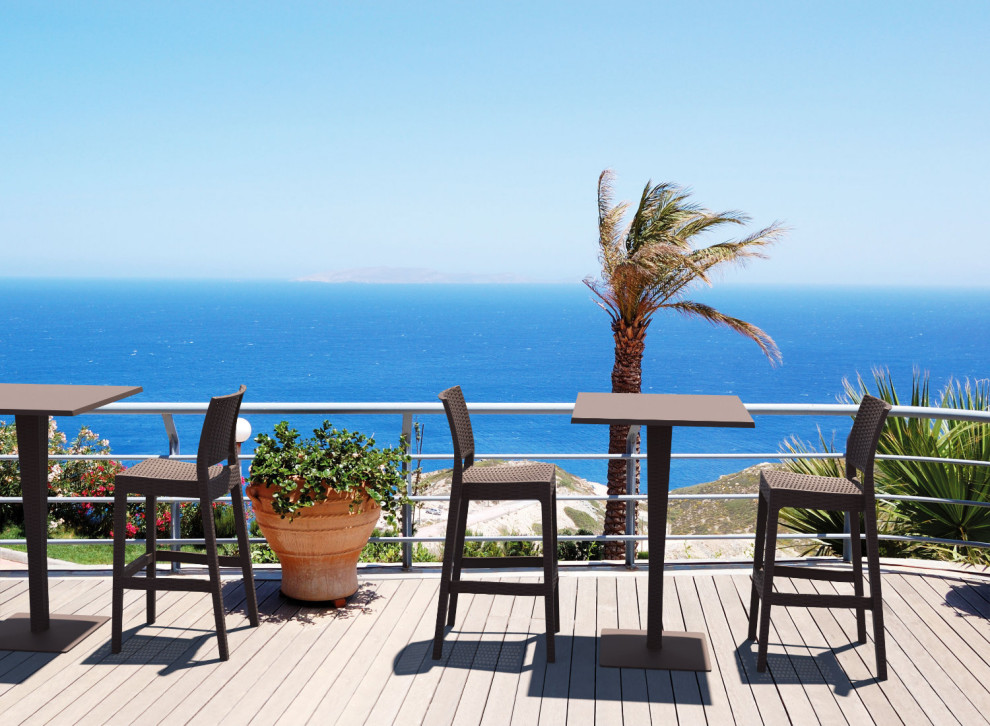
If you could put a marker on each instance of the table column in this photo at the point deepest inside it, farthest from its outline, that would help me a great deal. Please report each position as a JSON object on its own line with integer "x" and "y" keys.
{"x": 32, "y": 450}
{"x": 658, "y": 447}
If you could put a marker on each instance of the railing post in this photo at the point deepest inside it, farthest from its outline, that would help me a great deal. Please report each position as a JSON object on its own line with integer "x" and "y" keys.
{"x": 407, "y": 518}
{"x": 847, "y": 543}
{"x": 632, "y": 487}
{"x": 173, "y": 450}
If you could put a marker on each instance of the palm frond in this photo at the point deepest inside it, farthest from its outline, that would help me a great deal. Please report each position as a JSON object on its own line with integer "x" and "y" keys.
{"x": 713, "y": 316}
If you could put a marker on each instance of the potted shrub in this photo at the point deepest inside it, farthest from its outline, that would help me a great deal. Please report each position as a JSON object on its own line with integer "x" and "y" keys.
{"x": 317, "y": 501}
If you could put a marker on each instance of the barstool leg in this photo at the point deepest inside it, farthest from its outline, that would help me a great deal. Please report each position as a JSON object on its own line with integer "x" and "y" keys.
{"x": 873, "y": 564}
{"x": 244, "y": 553}
{"x": 556, "y": 573}
{"x": 768, "y": 564}
{"x": 856, "y": 551}
{"x": 759, "y": 544}
{"x": 448, "y": 562}
{"x": 213, "y": 564}
{"x": 459, "y": 534}
{"x": 150, "y": 548}
{"x": 119, "y": 542}
{"x": 548, "y": 577}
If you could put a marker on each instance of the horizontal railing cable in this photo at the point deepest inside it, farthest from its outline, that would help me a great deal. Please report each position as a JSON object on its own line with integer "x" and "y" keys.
{"x": 167, "y": 410}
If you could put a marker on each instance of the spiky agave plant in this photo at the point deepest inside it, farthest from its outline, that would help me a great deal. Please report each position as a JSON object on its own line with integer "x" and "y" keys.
{"x": 651, "y": 264}
{"x": 942, "y": 438}
{"x": 915, "y": 437}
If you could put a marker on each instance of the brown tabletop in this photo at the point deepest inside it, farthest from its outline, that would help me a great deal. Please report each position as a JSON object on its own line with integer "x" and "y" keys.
{"x": 661, "y": 409}
{"x": 660, "y": 413}
{"x": 43, "y": 399}
{"x": 32, "y": 404}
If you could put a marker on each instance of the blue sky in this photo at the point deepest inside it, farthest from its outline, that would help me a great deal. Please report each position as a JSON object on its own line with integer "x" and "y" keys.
{"x": 275, "y": 140}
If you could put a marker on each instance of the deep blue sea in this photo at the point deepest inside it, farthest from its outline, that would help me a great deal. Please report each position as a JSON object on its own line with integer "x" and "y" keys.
{"x": 186, "y": 341}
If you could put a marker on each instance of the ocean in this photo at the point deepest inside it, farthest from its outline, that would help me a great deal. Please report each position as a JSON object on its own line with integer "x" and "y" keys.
{"x": 292, "y": 341}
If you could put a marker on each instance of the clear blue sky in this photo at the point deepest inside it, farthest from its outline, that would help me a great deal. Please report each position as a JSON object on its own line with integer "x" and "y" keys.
{"x": 275, "y": 140}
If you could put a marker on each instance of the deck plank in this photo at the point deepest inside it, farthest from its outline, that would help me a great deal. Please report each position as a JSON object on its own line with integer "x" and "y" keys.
{"x": 954, "y": 602}
{"x": 688, "y": 692}
{"x": 659, "y": 684}
{"x": 579, "y": 704}
{"x": 417, "y": 600}
{"x": 100, "y": 672}
{"x": 769, "y": 700}
{"x": 724, "y": 650}
{"x": 550, "y": 684}
{"x": 457, "y": 667}
{"x": 608, "y": 681}
{"x": 406, "y": 664}
{"x": 529, "y": 689}
{"x": 40, "y": 676}
{"x": 427, "y": 679}
{"x": 477, "y": 688}
{"x": 374, "y": 667}
{"x": 635, "y": 694}
{"x": 342, "y": 651}
{"x": 201, "y": 675}
{"x": 717, "y": 709}
{"x": 830, "y": 671}
{"x": 143, "y": 670}
{"x": 943, "y": 642}
{"x": 258, "y": 654}
{"x": 390, "y": 634}
{"x": 501, "y": 701}
{"x": 907, "y": 689}
{"x": 320, "y": 640}
{"x": 800, "y": 661}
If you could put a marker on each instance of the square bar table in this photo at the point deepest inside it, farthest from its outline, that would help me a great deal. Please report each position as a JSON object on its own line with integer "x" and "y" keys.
{"x": 654, "y": 647}
{"x": 31, "y": 405}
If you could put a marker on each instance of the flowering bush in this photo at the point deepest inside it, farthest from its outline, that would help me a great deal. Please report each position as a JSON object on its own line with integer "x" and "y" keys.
{"x": 74, "y": 478}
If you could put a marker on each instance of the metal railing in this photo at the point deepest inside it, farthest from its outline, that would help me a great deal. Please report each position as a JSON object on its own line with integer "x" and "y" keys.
{"x": 407, "y": 412}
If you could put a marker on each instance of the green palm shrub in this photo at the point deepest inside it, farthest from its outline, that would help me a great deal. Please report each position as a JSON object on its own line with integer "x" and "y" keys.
{"x": 915, "y": 437}
{"x": 936, "y": 438}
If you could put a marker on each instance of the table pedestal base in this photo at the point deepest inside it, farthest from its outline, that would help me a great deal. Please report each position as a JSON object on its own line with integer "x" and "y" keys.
{"x": 680, "y": 652}
{"x": 64, "y": 632}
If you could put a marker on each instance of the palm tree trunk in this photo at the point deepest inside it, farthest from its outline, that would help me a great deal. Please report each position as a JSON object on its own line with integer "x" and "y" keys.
{"x": 627, "y": 377}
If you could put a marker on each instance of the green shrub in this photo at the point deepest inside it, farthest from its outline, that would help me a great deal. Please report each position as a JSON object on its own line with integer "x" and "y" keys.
{"x": 579, "y": 551}
{"x": 74, "y": 478}
{"x": 903, "y": 436}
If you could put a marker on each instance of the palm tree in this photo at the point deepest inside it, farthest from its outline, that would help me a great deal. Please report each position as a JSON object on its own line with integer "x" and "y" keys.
{"x": 648, "y": 265}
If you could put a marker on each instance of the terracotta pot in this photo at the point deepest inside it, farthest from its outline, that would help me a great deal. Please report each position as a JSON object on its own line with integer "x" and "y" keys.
{"x": 320, "y": 547}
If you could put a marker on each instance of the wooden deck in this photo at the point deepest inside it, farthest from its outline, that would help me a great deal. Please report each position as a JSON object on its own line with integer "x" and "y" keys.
{"x": 370, "y": 662}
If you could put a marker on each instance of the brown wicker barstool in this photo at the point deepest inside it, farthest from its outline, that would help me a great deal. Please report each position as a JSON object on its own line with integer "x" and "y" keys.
{"x": 527, "y": 481}
{"x": 207, "y": 480}
{"x": 786, "y": 489}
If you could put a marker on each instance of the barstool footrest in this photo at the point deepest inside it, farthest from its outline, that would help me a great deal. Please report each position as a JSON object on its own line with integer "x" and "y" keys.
{"x": 139, "y": 563}
{"x": 485, "y": 587}
{"x": 812, "y": 573}
{"x": 196, "y": 558}
{"x": 166, "y": 583}
{"x": 493, "y": 563}
{"x": 811, "y": 600}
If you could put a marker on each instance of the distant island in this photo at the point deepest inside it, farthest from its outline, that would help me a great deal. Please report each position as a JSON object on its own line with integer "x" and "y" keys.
{"x": 415, "y": 275}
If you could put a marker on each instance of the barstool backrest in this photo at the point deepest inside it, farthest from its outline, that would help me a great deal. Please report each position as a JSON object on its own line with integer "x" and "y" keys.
{"x": 861, "y": 446}
{"x": 217, "y": 440}
{"x": 460, "y": 429}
